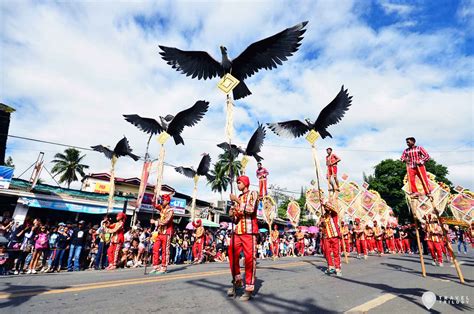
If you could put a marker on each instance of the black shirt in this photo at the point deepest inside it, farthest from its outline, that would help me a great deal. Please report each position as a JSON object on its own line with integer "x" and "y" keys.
{"x": 79, "y": 236}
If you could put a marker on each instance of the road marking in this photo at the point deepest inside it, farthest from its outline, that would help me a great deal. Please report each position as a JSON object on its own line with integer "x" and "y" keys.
{"x": 367, "y": 306}
{"x": 127, "y": 282}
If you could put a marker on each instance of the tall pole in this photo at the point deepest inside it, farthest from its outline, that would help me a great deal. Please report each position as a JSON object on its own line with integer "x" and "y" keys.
{"x": 445, "y": 234}
{"x": 420, "y": 248}
{"x": 110, "y": 204}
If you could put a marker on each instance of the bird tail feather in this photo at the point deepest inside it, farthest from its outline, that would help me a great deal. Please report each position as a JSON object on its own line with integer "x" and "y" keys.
{"x": 324, "y": 133}
{"x": 241, "y": 90}
{"x": 178, "y": 139}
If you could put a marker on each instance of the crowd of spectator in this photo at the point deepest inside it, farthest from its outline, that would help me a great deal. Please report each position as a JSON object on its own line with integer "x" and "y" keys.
{"x": 34, "y": 247}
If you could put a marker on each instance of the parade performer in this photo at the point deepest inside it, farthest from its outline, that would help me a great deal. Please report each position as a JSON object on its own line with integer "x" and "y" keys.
{"x": 389, "y": 239}
{"x": 434, "y": 237}
{"x": 244, "y": 215}
{"x": 346, "y": 235}
{"x": 262, "y": 174}
{"x": 199, "y": 241}
{"x": 331, "y": 162}
{"x": 378, "y": 237}
{"x": 369, "y": 238}
{"x": 471, "y": 234}
{"x": 331, "y": 236}
{"x": 361, "y": 245}
{"x": 397, "y": 239}
{"x": 164, "y": 229}
{"x": 275, "y": 236}
{"x": 299, "y": 235}
{"x": 116, "y": 240}
{"x": 415, "y": 157}
{"x": 405, "y": 240}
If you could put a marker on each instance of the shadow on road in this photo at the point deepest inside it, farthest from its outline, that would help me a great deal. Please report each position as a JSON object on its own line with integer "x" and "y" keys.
{"x": 18, "y": 294}
{"x": 263, "y": 302}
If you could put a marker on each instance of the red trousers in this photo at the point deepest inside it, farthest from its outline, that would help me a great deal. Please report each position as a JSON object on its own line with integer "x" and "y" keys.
{"x": 197, "y": 249}
{"x": 361, "y": 247}
{"x": 398, "y": 244}
{"x": 419, "y": 172}
{"x": 390, "y": 244}
{"x": 163, "y": 243}
{"x": 406, "y": 245}
{"x": 300, "y": 246}
{"x": 436, "y": 250}
{"x": 347, "y": 244}
{"x": 379, "y": 245}
{"x": 369, "y": 242}
{"x": 113, "y": 253}
{"x": 331, "y": 246}
{"x": 247, "y": 243}
{"x": 275, "y": 248}
{"x": 262, "y": 187}
{"x": 445, "y": 250}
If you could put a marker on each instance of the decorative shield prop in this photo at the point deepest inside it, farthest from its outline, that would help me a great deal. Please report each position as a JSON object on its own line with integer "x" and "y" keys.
{"x": 269, "y": 209}
{"x": 228, "y": 83}
{"x": 293, "y": 212}
{"x": 462, "y": 206}
{"x": 313, "y": 203}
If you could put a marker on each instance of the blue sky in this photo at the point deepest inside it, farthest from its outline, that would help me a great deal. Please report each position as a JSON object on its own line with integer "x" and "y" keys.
{"x": 72, "y": 70}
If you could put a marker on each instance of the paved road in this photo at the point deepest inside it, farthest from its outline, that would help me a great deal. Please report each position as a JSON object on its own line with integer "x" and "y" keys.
{"x": 389, "y": 284}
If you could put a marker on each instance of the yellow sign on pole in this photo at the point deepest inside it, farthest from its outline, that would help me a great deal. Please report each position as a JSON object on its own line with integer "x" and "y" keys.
{"x": 312, "y": 136}
{"x": 196, "y": 178}
{"x": 244, "y": 162}
{"x": 228, "y": 83}
{"x": 163, "y": 137}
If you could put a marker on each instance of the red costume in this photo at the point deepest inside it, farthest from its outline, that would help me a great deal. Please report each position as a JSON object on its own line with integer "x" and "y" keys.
{"x": 262, "y": 174}
{"x": 415, "y": 157}
{"x": 389, "y": 240}
{"x": 361, "y": 245}
{"x": 116, "y": 240}
{"x": 434, "y": 239}
{"x": 200, "y": 240}
{"x": 275, "y": 236}
{"x": 300, "y": 242}
{"x": 331, "y": 163}
{"x": 165, "y": 232}
{"x": 369, "y": 238}
{"x": 346, "y": 235}
{"x": 331, "y": 237}
{"x": 243, "y": 238}
{"x": 405, "y": 241}
{"x": 378, "y": 238}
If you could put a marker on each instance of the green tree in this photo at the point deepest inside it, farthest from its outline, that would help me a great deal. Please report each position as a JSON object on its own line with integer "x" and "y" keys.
{"x": 68, "y": 165}
{"x": 229, "y": 167}
{"x": 388, "y": 181}
{"x": 219, "y": 178}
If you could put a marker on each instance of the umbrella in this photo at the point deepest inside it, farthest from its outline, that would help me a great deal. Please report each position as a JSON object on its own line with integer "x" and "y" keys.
{"x": 189, "y": 226}
{"x": 313, "y": 229}
{"x": 304, "y": 229}
{"x": 263, "y": 230}
{"x": 224, "y": 225}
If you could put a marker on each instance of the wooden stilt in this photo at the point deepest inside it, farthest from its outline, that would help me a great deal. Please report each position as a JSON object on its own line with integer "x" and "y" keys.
{"x": 420, "y": 247}
{"x": 110, "y": 203}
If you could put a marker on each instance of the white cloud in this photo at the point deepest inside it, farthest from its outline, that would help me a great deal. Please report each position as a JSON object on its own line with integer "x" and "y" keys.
{"x": 73, "y": 70}
{"x": 391, "y": 7}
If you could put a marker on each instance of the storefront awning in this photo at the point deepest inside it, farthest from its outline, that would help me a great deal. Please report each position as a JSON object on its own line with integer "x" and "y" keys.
{"x": 67, "y": 206}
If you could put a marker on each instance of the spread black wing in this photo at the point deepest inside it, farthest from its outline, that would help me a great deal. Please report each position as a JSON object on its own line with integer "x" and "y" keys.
{"x": 290, "y": 129}
{"x": 102, "y": 149}
{"x": 204, "y": 165}
{"x": 123, "y": 149}
{"x": 269, "y": 52}
{"x": 188, "y": 117}
{"x": 147, "y": 125}
{"x": 334, "y": 112}
{"x": 254, "y": 146}
{"x": 188, "y": 172}
{"x": 192, "y": 63}
{"x": 232, "y": 149}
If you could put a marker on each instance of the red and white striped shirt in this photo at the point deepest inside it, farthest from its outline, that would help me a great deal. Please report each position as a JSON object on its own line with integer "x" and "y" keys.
{"x": 262, "y": 173}
{"x": 414, "y": 156}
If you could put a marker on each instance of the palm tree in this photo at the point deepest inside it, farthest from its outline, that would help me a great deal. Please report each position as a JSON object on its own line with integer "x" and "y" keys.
{"x": 230, "y": 168}
{"x": 68, "y": 165}
{"x": 218, "y": 179}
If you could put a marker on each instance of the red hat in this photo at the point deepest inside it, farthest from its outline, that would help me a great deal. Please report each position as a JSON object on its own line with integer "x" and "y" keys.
{"x": 357, "y": 220}
{"x": 121, "y": 216}
{"x": 197, "y": 223}
{"x": 244, "y": 179}
{"x": 166, "y": 197}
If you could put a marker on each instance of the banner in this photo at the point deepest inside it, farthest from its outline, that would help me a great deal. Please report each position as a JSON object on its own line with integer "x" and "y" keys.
{"x": 293, "y": 212}
{"x": 6, "y": 175}
{"x": 143, "y": 183}
{"x": 102, "y": 187}
{"x": 349, "y": 193}
{"x": 70, "y": 207}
